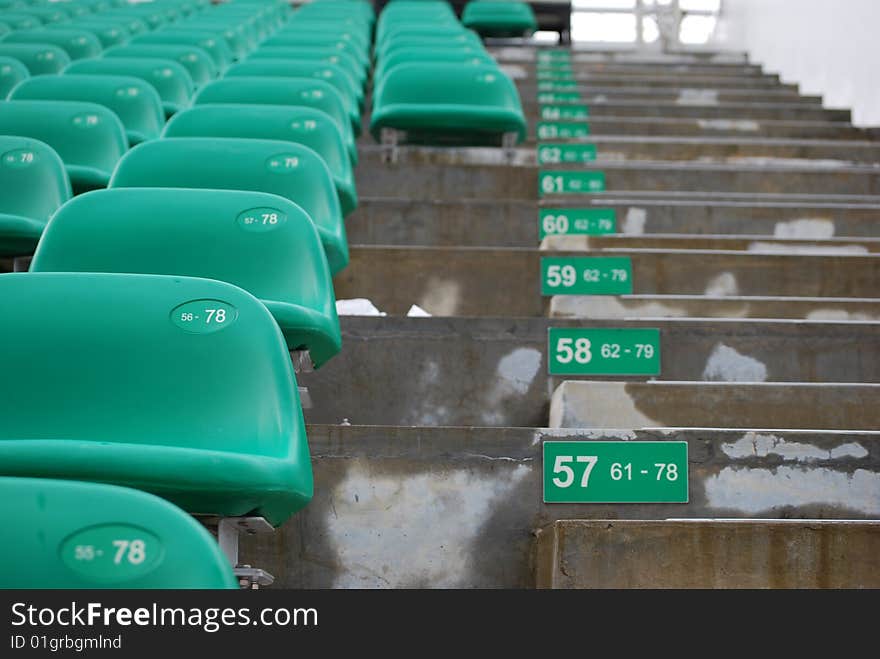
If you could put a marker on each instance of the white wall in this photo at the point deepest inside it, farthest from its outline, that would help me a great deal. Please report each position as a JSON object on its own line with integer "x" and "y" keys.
{"x": 829, "y": 47}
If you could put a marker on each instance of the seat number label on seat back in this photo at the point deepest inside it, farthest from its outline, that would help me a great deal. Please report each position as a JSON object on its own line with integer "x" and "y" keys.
{"x": 19, "y": 158}
{"x": 556, "y": 154}
{"x": 615, "y": 472}
{"x": 586, "y": 275}
{"x": 582, "y": 351}
{"x": 570, "y": 182}
{"x": 204, "y": 316}
{"x": 112, "y": 553}
{"x": 576, "y": 221}
{"x": 261, "y": 219}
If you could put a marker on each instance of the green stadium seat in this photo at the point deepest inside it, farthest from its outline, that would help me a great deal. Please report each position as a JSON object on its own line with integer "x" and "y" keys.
{"x": 109, "y": 34}
{"x": 182, "y": 387}
{"x": 170, "y": 79}
{"x": 69, "y": 534}
{"x": 437, "y": 102}
{"x": 359, "y": 39}
{"x": 283, "y": 91}
{"x": 194, "y": 59}
{"x": 325, "y": 54}
{"x": 20, "y": 21}
{"x": 464, "y": 55}
{"x": 260, "y": 242}
{"x": 135, "y": 101}
{"x": 154, "y": 18}
{"x": 395, "y": 31}
{"x": 12, "y": 72}
{"x": 236, "y": 41}
{"x": 313, "y": 128}
{"x": 40, "y": 59}
{"x": 409, "y": 40}
{"x": 496, "y": 18}
{"x": 133, "y": 24}
{"x": 33, "y": 184}
{"x": 285, "y": 68}
{"x": 333, "y": 25}
{"x": 289, "y": 170}
{"x": 4, "y": 29}
{"x": 239, "y": 28}
{"x": 320, "y": 41}
{"x": 89, "y": 138}
{"x": 47, "y": 14}
{"x": 77, "y": 43}
{"x": 216, "y": 46}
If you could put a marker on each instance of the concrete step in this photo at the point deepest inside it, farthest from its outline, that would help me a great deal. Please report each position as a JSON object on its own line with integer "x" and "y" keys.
{"x": 731, "y": 111}
{"x": 399, "y": 507}
{"x": 514, "y": 223}
{"x": 417, "y": 179}
{"x": 506, "y": 282}
{"x": 802, "y": 554}
{"x": 684, "y": 70}
{"x": 494, "y": 371}
{"x": 657, "y": 80}
{"x": 592, "y": 95}
{"x": 622, "y": 307}
{"x": 528, "y": 53}
{"x": 759, "y": 244}
{"x": 825, "y": 406}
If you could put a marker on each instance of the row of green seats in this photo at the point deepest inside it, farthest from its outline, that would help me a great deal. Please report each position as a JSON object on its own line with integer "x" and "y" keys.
{"x": 435, "y": 83}
{"x": 499, "y": 18}
{"x": 176, "y": 301}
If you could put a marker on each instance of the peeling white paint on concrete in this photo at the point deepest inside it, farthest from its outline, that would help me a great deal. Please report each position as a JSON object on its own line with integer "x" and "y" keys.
{"x": 724, "y": 285}
{"x": 697, "y": 97}
{"x": 442, "y": 297}
{"x": 415, "y": 311}
{"x": 427, "y": 412}
{"x": 625, "y": 435}
{"x": 807, "y": 228}
{"x": 741, "y": 125}
{"x": 410, "y": 531}
{"x": 514, "y": 375}
{"x": 802, "y": 163}
{"x": 840, "y": 314}
{"x": 607, "y": 306}
{"x": 752, "y": 445}
{"x": 725, "y": 364}
{"x": 595, "y": 405}
{"x": 753, "y": 491}
{"x": 358, "y": 306}
{"x": 634, "y": 222}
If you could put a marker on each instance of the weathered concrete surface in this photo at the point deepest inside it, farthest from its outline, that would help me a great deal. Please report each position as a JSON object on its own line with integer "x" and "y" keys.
{"x": 496, "y": 282}
{"x": 514, "y": 223}
{"x": 458, "y": 507}
{"x": 700, "y": 306}
{"x": 592, "y": 94}
{"x": 493, "y": 372}
{"x": 427, "y": 180}
{"x": 709, "y": 554}
{"x": 735, "y": 111}
{"x": 761, "y": 244}
{"x": 656, "y": 80}
{"x": 750, "y": 403}
{"x": 682, "y": 70}
{"x": 528, "y": 53}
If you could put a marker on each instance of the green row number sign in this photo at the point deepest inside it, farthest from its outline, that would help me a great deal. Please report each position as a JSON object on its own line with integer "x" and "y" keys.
{"x": 615, "y": 472}
{"x": 553, "y": 55}
{"x": 580, "y": 351}
{"x": 559, "y": 97}
{"x": 586, "y": 275}
{"x": 556, "y": 154}
{"x": 557, "y": 86}
{"x": 570, "y": 182}
{"x": 566, "y": 112}
{"x": 562, "y": 74}
{"x": 562, "y": 130}
{"x": 576, "y": 221}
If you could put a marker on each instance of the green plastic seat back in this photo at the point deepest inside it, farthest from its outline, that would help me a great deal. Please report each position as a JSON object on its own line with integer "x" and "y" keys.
{"x": 216, "y": 47}
{"x": 47, "y": 14}
{"x": 194, "y": 59}
{"x": 464, "y": 55}
{"x": 328, "y": 24}
{"x": 12, "y": 72}
{"x": 135, "y": 101}
{"x": 240, "y": 30}
{"x": 499, "y": 19}
{"x": 359, "y": 39}
{"x": 33, "y": 184}
{"x": 182, "y": 387}
{"x": 133, "y": 24}
{"x": 18, "y": 20}
{"x": 303, "y": 125}
{"x": 321, "y": 54}
{"x": 283, "y": 68}
{"x": 231, "y": 42}
{"x": 283, "y": 91}
{"x": 4, "y": 29}
{"x": 292, "y": 171}
{"x": 260, "y": 242}
{"x": 153, "y": 17}
{"x": 109, "y": 34}
{"x": 304, "y": 39}
{"x": 445, "y": 99}
{"x": 434, "y": 29}
{"x": 77, "y": 43}
{"x": 169, "y": 78}
{"x": 69, "y": 535}
{"x": 40, "y": 59}
{"x": 465, "y": 38}
{"x": 89, "y": 138}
